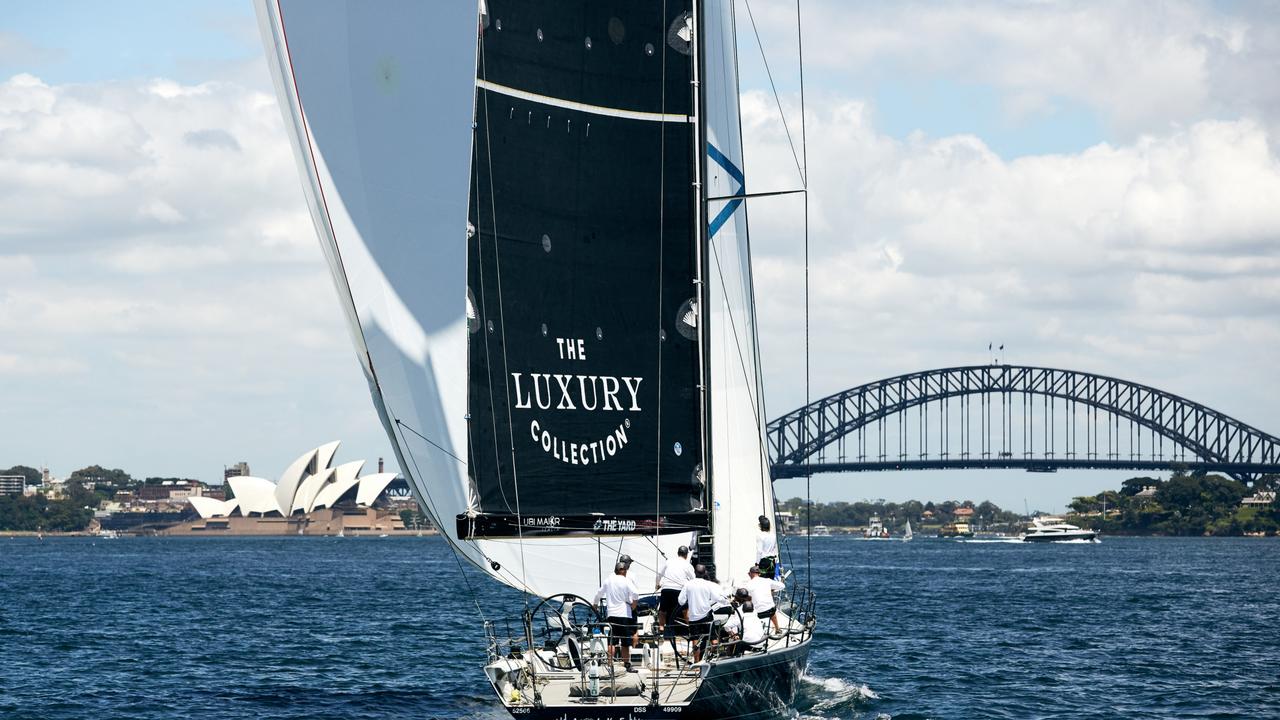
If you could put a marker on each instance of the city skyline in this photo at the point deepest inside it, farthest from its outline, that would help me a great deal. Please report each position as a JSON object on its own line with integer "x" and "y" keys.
{"x": 1092, "y": 187}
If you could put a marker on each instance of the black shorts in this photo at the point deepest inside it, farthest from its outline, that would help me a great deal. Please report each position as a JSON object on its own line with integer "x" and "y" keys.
{"x": 701, "y": 627}
{"x": 767, "y": 613}
{"x": 669, "y": 603}
{"x": 622, "y": 629}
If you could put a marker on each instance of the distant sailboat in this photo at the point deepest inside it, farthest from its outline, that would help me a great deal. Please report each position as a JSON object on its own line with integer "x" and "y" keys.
{"x": 906, "y": 536}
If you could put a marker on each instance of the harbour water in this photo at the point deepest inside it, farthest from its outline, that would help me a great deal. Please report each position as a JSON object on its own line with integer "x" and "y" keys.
{"x": 386, "y": 628}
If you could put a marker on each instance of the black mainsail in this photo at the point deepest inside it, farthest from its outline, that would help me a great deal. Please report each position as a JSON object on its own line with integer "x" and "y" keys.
{"x": 583, "y": 346}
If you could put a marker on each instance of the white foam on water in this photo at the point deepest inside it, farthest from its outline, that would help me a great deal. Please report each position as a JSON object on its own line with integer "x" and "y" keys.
{"x": 839, "y": 692}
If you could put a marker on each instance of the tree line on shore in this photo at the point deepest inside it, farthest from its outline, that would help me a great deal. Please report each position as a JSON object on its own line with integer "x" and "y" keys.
{"x": 1186, "y": 504}
{"x": 84, "y": 491}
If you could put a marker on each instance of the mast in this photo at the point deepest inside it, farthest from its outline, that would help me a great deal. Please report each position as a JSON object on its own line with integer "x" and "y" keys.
{"x": 706, "y": 542}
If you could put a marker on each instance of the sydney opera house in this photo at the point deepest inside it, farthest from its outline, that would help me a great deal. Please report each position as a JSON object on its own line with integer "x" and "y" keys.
{"x": 313, "y": 496}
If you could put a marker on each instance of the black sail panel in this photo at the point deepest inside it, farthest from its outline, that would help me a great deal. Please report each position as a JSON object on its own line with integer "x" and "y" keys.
{"x": 582, "y": 347}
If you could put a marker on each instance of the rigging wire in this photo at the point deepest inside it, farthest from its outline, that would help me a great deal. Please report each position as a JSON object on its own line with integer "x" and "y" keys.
{"x": 497, "y": 259}
{"x": 433, "y": 443}
{"x": 483, "y": 311}
{"x": 662, "y": 221}
{"x": 751, "y": 16}
{"x": 804, "y": 148}
{"x": 475, "y": 598}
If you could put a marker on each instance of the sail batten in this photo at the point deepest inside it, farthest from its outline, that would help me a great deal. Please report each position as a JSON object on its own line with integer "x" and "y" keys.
{"x": 582, "y": 107}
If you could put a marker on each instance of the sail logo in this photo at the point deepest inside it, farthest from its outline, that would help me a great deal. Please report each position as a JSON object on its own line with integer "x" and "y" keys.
{"x": 577, "y": 392}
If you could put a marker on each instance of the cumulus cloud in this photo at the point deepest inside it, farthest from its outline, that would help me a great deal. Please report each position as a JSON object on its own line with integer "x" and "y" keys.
{"x": 1143, "y": 66}
{"x": 160, "y": 282}
{"x": 92, "y": 168}
{"x": 1153, "y": 259}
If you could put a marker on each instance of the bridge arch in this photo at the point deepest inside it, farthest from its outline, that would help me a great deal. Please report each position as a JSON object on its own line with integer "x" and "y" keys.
{"x": 1201, "y": 438}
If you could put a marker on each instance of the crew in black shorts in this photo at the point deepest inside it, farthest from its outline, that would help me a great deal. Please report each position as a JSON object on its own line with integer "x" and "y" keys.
{"x": 622, "y": 628}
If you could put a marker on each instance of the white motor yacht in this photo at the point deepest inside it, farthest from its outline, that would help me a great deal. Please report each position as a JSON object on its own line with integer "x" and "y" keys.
{"x": 1051, "y": 529}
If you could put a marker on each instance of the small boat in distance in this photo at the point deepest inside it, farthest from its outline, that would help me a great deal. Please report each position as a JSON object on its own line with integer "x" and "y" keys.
{"x": 820, "y": 531}
{"x": 1052, "y": 529}
{"x": 875, "y": 530}
{"x": 907, "y": 535}
{"x": 958, "y": 529}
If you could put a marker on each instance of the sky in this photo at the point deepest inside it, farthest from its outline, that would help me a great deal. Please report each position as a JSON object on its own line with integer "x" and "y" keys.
{"x": 1094, "y": 185}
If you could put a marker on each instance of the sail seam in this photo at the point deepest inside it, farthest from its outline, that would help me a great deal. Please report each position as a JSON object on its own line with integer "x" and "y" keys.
{"x": 582, "y": 107}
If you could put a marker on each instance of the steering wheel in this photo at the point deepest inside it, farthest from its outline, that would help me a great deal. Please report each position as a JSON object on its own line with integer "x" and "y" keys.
{"x": 561, "y": 616}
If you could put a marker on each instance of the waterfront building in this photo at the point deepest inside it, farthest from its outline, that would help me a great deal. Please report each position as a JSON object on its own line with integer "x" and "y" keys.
{"x": 12, "y": 484}
{"x": 240, "y": 469}
{"x": 1260, "y": 498}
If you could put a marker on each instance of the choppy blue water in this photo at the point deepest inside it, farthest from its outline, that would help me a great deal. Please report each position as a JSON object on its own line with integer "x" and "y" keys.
{"x": 384, "y": 628}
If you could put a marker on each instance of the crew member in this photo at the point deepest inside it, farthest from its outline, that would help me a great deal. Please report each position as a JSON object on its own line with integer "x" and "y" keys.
{"x": 621, "y": 596}
{"x": 762, "y": 590}
{"x": 744, "y": 626}
{"x": 767, "y": 550}
{"x": 703, "y": 595}
{"x": 671, "y": 580}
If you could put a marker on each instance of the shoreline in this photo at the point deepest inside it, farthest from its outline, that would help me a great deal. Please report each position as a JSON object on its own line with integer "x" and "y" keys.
{"x": 12, "y": 534}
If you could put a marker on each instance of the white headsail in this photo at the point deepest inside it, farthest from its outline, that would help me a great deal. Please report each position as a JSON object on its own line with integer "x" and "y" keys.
{"x": 741, "y": 485}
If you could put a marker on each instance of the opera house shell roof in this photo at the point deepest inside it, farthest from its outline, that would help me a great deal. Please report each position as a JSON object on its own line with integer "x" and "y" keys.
{"x": 310, "y": 483}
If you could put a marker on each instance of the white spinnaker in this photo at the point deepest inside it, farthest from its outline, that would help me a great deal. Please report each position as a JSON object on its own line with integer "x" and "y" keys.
{"x": 741, "y": 487}
{"x": 378, "y": 101}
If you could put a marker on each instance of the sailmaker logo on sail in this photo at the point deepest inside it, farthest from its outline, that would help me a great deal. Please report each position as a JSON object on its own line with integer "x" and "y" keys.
{"x": 556, "y": 392}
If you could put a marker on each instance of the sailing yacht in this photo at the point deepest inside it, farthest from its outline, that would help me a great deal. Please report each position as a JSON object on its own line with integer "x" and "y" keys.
{"x": 534, "y": 214}
{"x": 907, "y": 535}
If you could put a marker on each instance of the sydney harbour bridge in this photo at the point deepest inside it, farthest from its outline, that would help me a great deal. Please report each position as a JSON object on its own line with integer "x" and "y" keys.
{"x": 1010, "y": 416}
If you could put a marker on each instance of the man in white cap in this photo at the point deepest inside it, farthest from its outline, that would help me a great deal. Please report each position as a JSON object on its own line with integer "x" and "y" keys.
{"x": 671, "y": 580}
{"x": 621, "y": 596}
{"x": 762, "y": 590}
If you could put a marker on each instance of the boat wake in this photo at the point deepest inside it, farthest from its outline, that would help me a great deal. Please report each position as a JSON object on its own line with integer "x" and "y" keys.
{"x": 822, "y": 698}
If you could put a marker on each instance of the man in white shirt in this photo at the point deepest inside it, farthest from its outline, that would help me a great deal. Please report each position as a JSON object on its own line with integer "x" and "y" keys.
{"x": 671, "y": 580}
{"x": 767, "y": 550}
{"x": 703, "y": 595}
{"x": 620, "y": 595}
{"x": 744, "y": 625}
{"x": 762, "y": 590}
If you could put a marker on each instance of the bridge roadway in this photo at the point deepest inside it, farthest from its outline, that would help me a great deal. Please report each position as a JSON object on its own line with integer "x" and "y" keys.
{"x": 1047, "y": 418}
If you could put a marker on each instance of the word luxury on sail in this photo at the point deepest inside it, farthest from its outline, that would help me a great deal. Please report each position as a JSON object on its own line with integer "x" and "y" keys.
{"x": 591, "y": 392}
